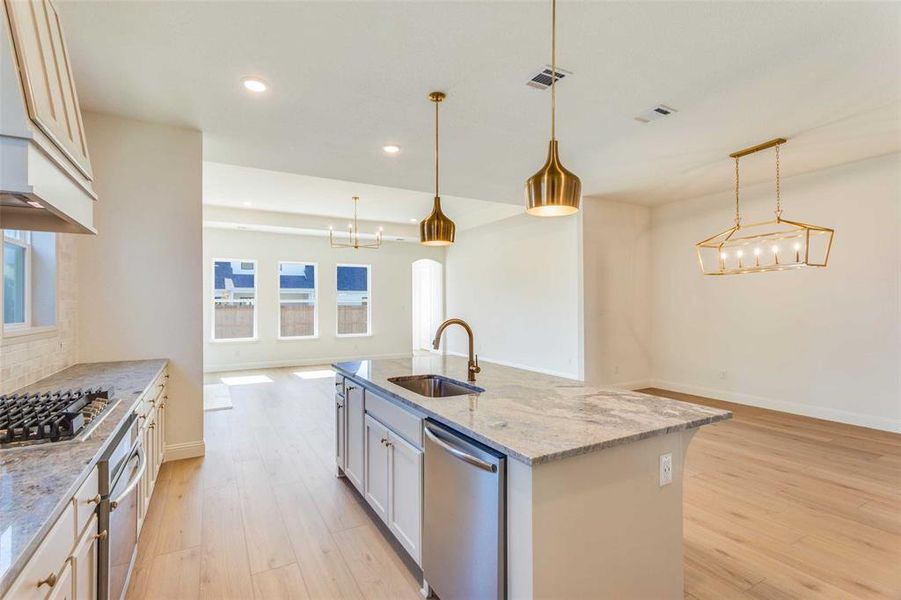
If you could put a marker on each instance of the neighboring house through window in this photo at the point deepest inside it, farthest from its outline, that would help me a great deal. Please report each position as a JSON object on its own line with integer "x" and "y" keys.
{"x": 29, "y": 281}
{"x": 234, "y": 300}
{"x": 354, "y": 306}
{"x": 297, "y": 296}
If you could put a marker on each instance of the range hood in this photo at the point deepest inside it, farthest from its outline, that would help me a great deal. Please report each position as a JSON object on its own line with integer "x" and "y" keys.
{"x": 45, "y": 172}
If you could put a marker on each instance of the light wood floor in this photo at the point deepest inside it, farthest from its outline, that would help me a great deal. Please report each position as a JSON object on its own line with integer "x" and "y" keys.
{"x": 776, "y": 506}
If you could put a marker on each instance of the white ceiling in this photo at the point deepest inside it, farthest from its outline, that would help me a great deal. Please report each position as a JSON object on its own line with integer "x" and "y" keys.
{"x": 349, "y": 77}
{"x": 259, "y": 189}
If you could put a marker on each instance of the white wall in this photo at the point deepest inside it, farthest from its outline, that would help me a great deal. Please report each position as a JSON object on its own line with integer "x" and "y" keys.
{"x": 138, "y": 284}
{"x": 616, "y": 244}
{"x": 819, "y": 342}
{"x": 391, "y": 299}
{"x": 517, "y": 282}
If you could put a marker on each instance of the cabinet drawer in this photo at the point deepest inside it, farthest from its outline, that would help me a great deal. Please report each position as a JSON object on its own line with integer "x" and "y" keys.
{"x": 49, "y": 559}
{"x": 404, "y": 422}
{"x": 86, "y": 500}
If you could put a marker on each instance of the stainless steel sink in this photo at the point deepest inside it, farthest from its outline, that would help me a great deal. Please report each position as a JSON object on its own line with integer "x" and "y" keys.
{"x": 434, "y": 386}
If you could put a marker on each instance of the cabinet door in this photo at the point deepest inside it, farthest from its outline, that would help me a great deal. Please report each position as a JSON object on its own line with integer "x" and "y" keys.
{"x": 85, "y": 563}
{"x": 376, "y": 493}
{"x": 161, "y": 420}
{"x": 63, "y": 589}
{"x": 43, "y": 61}
{"x": 353, "y": 408}
{"x": 340, "y": 433}
{"x": 405, "y": 497}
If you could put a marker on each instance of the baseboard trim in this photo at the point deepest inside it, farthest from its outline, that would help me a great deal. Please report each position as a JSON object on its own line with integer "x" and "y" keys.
{"x": 305, "y": 362}
{"x": 514, "y": 365}
{"x": 184, "y": 450}
{"x": 796, "y": 408}
{"x": 639, "y": 384}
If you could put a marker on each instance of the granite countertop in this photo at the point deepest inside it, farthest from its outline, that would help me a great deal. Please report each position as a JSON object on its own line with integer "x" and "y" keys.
{"x": 37, "y": 481}
{"x": 529, "y": 416}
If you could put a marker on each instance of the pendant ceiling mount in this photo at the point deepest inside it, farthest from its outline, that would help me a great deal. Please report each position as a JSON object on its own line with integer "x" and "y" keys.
{"x": 775, "y": 245}
{"x": 353, "y": 235}
{"x": 436, "y": 229}
{"x": 553, "y": 191}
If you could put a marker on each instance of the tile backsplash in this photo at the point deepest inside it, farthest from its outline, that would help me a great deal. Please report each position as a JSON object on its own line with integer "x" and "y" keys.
{"x": 24, "y": 360}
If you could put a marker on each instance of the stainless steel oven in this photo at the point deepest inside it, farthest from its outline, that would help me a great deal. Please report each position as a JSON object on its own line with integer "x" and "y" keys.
{"x": 121, "y": 469}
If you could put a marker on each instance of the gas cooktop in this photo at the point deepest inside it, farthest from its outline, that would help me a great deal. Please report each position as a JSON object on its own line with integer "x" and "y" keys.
{"x": 44, "y": 417}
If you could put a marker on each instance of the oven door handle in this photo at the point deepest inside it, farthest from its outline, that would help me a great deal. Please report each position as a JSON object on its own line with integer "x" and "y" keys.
{"x": 135, "y": 478}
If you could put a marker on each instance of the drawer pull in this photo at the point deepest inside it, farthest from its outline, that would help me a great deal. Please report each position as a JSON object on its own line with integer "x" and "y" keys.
{"x": 102, "y": 535}
{"x": 349, "y": 388}
{"x": 152, "y": 426}
{"x": 50, "y": 580}
{"x": 94, "y": 500}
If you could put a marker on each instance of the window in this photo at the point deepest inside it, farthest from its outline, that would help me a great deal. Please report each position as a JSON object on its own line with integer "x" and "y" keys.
{"x": 29, "y": 280}
{"x": 297, "y": 296}
{"x": 354, "y": 307}
{"x": 234, "y": 300}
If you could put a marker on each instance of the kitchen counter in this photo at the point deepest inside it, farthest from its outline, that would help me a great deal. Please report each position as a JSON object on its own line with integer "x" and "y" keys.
{"x": 532, "y": 417}
{"x": 37, "y": 481}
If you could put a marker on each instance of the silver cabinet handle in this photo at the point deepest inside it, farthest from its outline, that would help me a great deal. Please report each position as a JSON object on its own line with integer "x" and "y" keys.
{"x": 473, "y": 460}
{"x": 135, "y": 479}
{"x": 349, "y": 387}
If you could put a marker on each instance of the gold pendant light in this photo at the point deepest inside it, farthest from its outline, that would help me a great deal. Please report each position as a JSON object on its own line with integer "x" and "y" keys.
{"x": 775, "y": 245}
{"x": 436, "y": 229}
{"x": 553, "y": 191}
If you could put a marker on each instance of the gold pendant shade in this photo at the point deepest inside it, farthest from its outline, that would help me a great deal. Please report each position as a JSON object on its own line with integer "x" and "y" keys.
{"x": 775, "y": 245}
{"x": 436, "y": 229}
{"x": 553, "y": 191}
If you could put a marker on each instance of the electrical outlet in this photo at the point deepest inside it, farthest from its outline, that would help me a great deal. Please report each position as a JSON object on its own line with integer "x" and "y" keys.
{"x": 616, "y": 369}
{"x": 723, "y": 374}
{"x": 666, "y": 469}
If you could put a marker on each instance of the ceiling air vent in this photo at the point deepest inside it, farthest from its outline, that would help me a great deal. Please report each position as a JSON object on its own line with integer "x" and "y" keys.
{"x": 657, "y": 112}
{"x": 542, "y": 79}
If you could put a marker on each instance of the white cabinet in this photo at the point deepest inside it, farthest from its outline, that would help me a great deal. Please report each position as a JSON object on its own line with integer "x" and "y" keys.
{"x": 152, "y": 415}
{"x": 63, "y": 589}
{"x": 405, "y": 494}
{"x": 393, "y": 484}
{"x": 353, "y": 407}
{"x": 375, "y": 452}
{"x": 84, "y": 561}
{"x": 340, "y": 431}
{"x": 43, "y": 61}
{"x": 376, "y": 478}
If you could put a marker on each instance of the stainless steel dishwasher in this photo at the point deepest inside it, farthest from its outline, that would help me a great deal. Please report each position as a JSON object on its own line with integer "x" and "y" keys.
{"x": 464, "y": 532}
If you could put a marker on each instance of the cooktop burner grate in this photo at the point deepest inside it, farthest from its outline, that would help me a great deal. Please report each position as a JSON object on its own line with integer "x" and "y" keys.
{"x": 51, "y": 416}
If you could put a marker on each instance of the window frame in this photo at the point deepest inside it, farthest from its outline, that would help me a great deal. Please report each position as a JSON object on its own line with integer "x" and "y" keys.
{"x": 368, "y": 301}
{"x": 24, "y": 327}
{"x": 278, "y": 291}
{"x": 256, "y": 300}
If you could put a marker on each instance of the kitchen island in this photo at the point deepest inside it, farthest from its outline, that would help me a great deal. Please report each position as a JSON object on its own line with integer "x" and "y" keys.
{"x": 588, "y": 509}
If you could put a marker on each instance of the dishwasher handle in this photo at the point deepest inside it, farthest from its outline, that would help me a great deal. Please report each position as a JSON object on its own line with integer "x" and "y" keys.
{"x": 469, "y": 458}
{"x": 135, "y": 478}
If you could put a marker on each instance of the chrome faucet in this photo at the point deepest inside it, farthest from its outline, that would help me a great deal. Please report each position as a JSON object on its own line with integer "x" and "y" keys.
{"x": 473, "y": 365}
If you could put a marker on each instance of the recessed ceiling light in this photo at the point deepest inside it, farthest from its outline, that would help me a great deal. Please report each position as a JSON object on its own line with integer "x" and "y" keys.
{"x": 255, "y": 84}
{"x": 391, "y": 149}
{"x": 412, "y": 220}
{"x": 247, "y": 203}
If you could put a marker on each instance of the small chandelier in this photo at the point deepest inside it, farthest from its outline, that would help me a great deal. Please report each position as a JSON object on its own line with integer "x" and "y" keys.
{"x": 436, "y": 229}
{"x": 553, "y": 191}
{"x": 353, "y": 234}
{"x": 775, "y": 245}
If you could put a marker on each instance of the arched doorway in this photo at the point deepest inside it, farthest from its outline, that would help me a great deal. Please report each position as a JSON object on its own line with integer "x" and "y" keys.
{"x": 428, "y": 302}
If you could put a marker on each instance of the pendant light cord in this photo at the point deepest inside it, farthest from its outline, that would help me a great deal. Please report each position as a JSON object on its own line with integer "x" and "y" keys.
{"x": 553, "y": 69}
{"x": 737, "y": 206}
{"x": 436, "y": 149}
{"x": 778, "y": 188}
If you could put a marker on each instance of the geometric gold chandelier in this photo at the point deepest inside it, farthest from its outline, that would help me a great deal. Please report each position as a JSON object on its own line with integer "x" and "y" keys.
{"x": 353, "y": 235}
{"x": 775, "y": 245}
